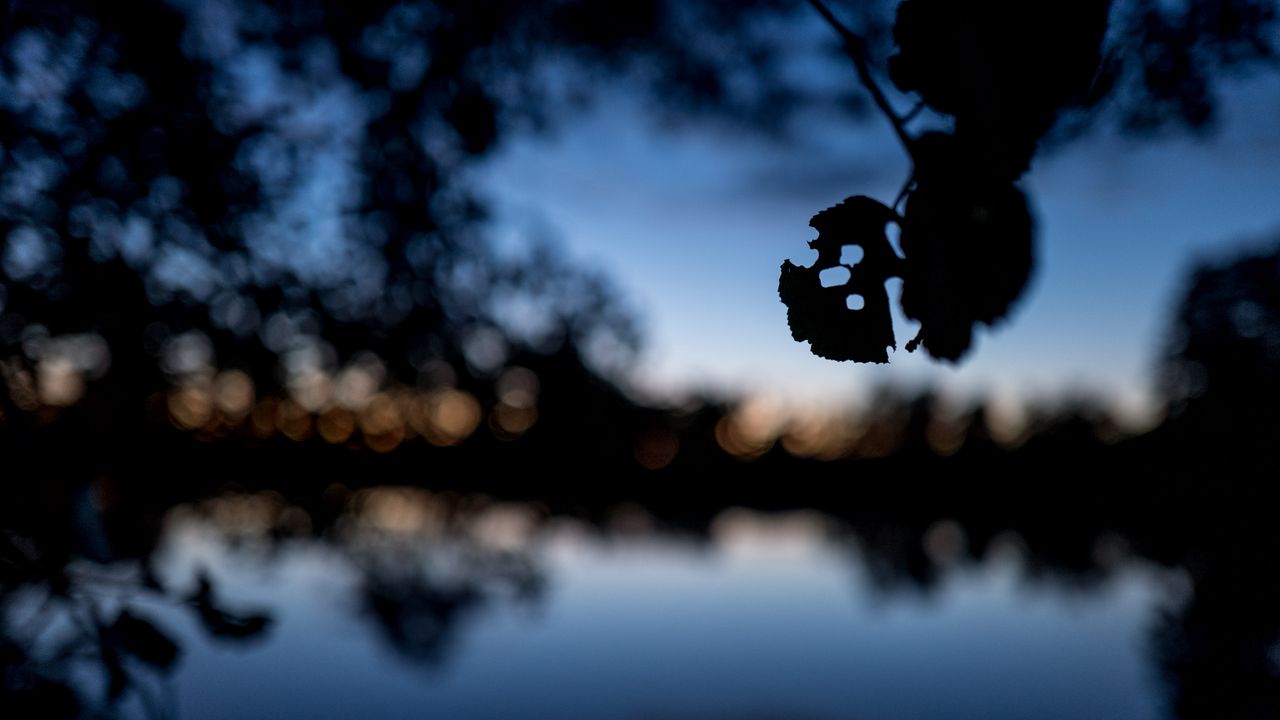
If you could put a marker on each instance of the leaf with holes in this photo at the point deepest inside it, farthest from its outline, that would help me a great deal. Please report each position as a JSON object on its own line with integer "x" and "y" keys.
{"x": 825, "y": 316}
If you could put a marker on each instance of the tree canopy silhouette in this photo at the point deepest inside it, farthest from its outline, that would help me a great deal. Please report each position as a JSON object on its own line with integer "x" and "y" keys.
{"x": 1220, "y": 372}
{"x": 292, "y": 180}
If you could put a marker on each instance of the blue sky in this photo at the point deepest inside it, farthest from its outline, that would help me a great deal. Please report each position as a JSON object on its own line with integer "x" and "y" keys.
{"x": 694, "y": 225}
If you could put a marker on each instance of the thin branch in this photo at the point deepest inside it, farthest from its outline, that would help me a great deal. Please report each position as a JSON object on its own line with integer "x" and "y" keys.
{"x": 913, "y": 112}
{"x": 914, "y": 342}
{"x": 907, "y": 187}
{"x": 855, "y": 48}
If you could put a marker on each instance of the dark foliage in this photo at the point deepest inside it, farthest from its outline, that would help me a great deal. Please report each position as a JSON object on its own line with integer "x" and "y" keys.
{"x": 1006, "y": 74}
{"x": 271, "y": 175}
{"x": 1222, "y": 365}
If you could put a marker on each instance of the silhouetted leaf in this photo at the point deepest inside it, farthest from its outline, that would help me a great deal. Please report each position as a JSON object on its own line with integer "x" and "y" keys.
{"x": 420, "y": 619}
{"x": 473, "y": 115}
{"x": 967, "y": 238}
{"x": 47, "y": 701}
{"x": 141, "y": 639}
{"x": 823, "y": 315}
{"x": 112, "y": 664}
{"x": 131, "y": 636}
{"x": 222, "y": 623}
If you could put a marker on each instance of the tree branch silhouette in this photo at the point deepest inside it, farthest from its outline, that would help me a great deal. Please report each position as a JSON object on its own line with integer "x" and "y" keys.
{"x": 856, "y": 48}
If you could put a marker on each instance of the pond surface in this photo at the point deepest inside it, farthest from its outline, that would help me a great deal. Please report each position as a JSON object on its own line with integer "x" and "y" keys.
{"x": 764, "y": 616}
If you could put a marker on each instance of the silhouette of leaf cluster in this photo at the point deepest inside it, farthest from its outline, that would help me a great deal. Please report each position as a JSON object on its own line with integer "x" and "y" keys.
{"x": 1003, "y": 73}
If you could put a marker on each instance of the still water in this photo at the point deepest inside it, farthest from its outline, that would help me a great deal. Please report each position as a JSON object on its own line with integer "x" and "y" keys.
{"x": 402, "y": 614}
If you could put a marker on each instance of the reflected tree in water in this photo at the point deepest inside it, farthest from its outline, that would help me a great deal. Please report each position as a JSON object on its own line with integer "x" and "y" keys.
{"x": 74, "y": 643}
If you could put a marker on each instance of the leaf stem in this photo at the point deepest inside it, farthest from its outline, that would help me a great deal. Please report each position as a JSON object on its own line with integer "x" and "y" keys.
{"x": 855, "y": 48}
{"x": 913, "y": 112}
{"x": 907, "y": 187}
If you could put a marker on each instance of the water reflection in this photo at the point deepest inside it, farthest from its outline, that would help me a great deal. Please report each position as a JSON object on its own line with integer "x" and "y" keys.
{"x": 90, "y": 640}
{"x": 409, "y": 599}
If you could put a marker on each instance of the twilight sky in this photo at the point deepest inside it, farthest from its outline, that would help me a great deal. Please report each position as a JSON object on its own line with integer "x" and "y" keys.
{"x": 693, "y": 227}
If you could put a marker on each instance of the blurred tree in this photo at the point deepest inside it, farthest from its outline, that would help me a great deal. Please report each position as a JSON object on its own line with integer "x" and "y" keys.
{"x": 1220, "y": 374}
{"x": 291, "y": 179}
{"x": 1164, "y": 63}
